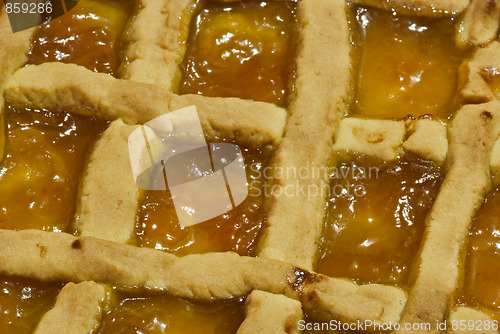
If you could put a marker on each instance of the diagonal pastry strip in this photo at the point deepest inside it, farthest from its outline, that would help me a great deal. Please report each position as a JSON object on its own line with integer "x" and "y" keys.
{"x": 100, "y": 95}
{"x": 205, "y": 277}
{"x": 78, "y": 309}
{"x": 437, "y": 270}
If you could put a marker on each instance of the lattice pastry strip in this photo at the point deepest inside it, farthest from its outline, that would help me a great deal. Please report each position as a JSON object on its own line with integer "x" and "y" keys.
{"x": 480, "y": 85}
{"x": 338, "y": 297}
{"x": 226, "y": 275}
{"x": 479, "y": 25}
{"x": 109, "y": 198}
{"x": 108, "y": 202}
{"x": 157, "y": 42}
{"x": 251, "y": 123}
{"x": 78, "y": 309}
{"x": 320, "y": 85}
{"x": 268, "y": 313}
{"x": 388, "y": 139}
{"x": 472, "y": 134}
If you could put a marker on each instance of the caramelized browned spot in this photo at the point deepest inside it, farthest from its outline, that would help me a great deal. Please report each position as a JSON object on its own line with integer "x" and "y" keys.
{"x": 44, "y": 160}
{"x": 482, "y": 285}
{"x": 302, "y": 278}
{"x": 77, "y": 244}
{"x": 23, "y": 302}
{"x": 375, "y": 219}
{"x": 236, "y": 230}
{"x": 241, "y": 49}
{"x": 88, "y": 35}
{"x": 407, "y": 65}
{"x": 165, "y": 314}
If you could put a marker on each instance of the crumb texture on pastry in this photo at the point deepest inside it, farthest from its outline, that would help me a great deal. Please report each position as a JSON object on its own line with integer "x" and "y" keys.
{"x": 206, "y": 277}
{"x": 377, "y": 138}
{"x": 156, "y": 42}
{"x": 78, "y": 310}
{"x": 269, "y": 313}
{"x": 461, "y": 314}
{"x": 472, "y": 135}
{"x": 96, "y": 94}
{"x": 479, "y": 24}
{"x": 321, "y": 94}
{"x": 479, "y": 76}
{"x": 109, "y": 198}
{"x": 428, "y": 139}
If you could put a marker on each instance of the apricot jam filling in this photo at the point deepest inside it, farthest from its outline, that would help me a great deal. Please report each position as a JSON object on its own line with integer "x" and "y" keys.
{"x": 407, "y": 65}
{"x": 482, "y": 271}
{"x": 23, "y": 302}
{"x": 237, "y": 230}
{"x": 88, "y": 35}
{"x": 375, "y": 218}
{"x": 166, "y": 314}
{"x": 44, "y": 159}
{"x": 241, "y": 49}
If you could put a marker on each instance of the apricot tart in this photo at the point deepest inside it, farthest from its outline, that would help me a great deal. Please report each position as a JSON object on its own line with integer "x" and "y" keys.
{"x": 368, "y": 134}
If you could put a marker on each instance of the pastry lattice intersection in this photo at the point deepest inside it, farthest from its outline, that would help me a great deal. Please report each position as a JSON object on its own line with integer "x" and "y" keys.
{"x": 280, "y": 282}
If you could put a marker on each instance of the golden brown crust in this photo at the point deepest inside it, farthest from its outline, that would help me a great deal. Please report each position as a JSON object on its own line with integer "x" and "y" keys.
{"x": 432, "y": 8}
{"x": 479, "y": 25}
{"x": 477, "y": 75}
{"x": 109, "y": 198}
{"x": 95, "y": 94}
{"x": 203, "y": 277}
{"x": 156, "y": 40}
{"x": 472, "y": 135}
{"x": 321, "y": 93}
{"x": 78, "y": 310}
{"x": 269, "y": 313}
{"x": 377, "y": 138}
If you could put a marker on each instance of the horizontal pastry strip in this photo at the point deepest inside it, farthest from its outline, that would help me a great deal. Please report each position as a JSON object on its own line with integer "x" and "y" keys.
{"x": 96, "y": 94}
{"x": 63, "y": 257}
{"x": 388, "y": 139}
